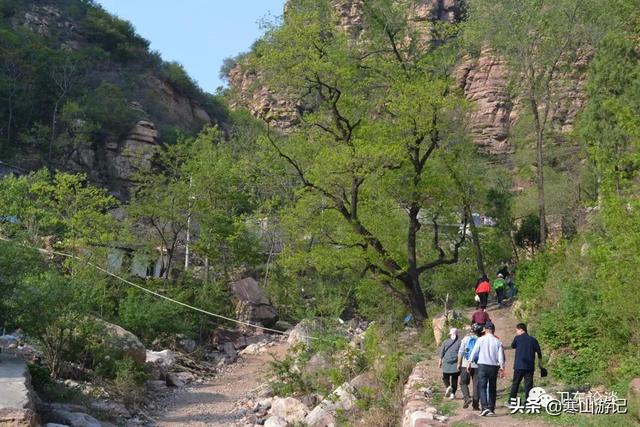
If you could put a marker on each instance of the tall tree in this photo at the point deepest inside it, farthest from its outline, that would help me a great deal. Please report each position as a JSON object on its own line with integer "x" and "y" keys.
{"x": 377, "y": 116}
{"x": 540, "y": 41}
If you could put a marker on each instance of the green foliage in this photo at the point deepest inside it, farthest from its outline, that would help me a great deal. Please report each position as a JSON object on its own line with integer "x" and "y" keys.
{"x": 361, "y": 150}
{"x": 129, "y": 381}
{"x": 161, "y": 318}
{"x": 113, "y": 34}
{"x": 528, "y": 233}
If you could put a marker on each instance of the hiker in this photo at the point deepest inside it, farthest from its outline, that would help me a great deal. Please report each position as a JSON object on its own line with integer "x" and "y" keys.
{"x": 449, "y": 363}
{"x": 480, "y": 316}
{"x": 488, "y": 353}
{"x": 483, "y": 287}
{"x": 524, "y": 364}
{"x": 512, "y": 285}
{"x": 504, "y": 271}
{"x": 468, "y": 369}
{"x": 499, "y": 285}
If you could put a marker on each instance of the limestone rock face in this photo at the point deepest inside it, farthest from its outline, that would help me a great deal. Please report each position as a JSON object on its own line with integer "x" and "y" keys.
{"x": 133, "y": 154}
{"x": 253, "y": 306}
{"x": 484, "y": 82}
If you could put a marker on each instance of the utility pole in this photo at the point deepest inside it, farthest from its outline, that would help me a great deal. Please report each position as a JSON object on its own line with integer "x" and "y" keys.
{"x": 186, "y": 251}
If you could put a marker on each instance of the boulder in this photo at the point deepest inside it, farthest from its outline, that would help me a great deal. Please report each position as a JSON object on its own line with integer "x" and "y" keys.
{"x": 290, "y": 409}
{"x": 252, "y": 304}
{"x": 174, "y": 381}
{"x": 119, "y": 338}
{"x": 343, "y": 398}
{"x": 230, "y": 352}
{"x": 301, "y": 333}
{"x": 365, "y": 382}
{"x": 76, "y": 419}
{"x": 275, "y": 421}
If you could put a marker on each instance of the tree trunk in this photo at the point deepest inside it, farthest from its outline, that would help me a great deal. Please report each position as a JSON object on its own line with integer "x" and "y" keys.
{"x": 417, "y": 301}
{"x": 540, "y": 174}
{"x": 53, "y": 130}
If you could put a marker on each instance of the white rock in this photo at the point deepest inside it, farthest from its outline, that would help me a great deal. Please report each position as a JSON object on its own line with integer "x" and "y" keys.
{"x": 275, "y": 421}
{"x": 251, "y": 349}
{"x": 292, "y": 410}
{"x": 165, "y": 358}
{"x": 419, "y": 416}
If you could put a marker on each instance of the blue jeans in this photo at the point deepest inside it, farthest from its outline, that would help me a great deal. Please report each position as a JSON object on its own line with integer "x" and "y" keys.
{"x": 488, "y": 377}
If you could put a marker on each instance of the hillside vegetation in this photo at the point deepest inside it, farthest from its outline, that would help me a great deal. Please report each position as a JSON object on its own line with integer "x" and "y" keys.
{"x": 357, "y": 197}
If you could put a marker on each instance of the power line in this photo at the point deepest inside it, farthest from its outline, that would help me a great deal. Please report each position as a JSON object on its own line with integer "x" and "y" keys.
{"x": 142, "y": 288}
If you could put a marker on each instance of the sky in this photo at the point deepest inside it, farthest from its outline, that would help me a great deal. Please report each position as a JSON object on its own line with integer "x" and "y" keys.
{"x": 199, "y": 34}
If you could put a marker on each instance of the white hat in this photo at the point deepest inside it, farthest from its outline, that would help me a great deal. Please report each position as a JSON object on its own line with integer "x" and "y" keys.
{"x": 500, "y": 275}
{"x": 453, "y": 331}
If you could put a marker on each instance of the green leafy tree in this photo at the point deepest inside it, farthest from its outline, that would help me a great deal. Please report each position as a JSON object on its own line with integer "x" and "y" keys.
{"x": 540, "y": 41}
{"x": 375, "y": 146}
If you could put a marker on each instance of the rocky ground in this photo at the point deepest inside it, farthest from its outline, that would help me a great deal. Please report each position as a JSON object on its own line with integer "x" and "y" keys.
{"x": 427, "y": 393}
{"x": 216, "y": 402}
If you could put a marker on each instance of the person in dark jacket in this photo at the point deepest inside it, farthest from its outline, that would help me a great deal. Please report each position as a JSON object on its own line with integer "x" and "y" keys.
{"x": 449, "y": 363}
{"x": 524, "y": 364}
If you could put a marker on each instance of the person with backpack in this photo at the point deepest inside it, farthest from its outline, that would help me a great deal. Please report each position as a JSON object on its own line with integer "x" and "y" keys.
{"x": 480, "y": 316}
{"x": 488, "y": 353}
{"x": 499, "y": 285}
{"x": 449, "y": 363}
{"x": 468, "y": 368}
{"x": 483, "y": 288}
{"x": 525, "y": 361}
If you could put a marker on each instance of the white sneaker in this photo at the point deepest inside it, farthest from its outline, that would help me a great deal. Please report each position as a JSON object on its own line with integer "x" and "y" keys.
{"x": 448, "y": 391}
{"x": 452, "y": 396}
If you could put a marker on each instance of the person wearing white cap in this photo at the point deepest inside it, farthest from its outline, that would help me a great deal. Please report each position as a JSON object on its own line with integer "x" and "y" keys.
{"x": 449, "y": 363}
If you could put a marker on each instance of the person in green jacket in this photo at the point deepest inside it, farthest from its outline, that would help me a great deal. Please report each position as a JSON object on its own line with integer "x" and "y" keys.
{"x": 499, "y": 285}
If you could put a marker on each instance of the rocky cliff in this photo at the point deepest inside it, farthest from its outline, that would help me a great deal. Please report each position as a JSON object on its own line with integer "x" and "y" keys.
{"x": 162, "y": 100}
{"x": 484, "y": 80}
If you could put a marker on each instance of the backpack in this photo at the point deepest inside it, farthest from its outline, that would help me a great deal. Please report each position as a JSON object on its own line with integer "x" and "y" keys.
{"x": 470, "y": 344}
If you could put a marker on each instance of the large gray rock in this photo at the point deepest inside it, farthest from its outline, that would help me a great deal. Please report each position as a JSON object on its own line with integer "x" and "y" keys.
{"x": 302, "y": 332}
{"x": 16, "y": 404}
{"x": 252, "y": 304}
{"x": 290, "y": 409}
{"x": 76, "y": 419}
{"x": 343, "y": 398}
{"x": 119, "y": 338}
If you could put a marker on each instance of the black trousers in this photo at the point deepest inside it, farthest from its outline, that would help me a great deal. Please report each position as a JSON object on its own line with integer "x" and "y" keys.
{"x": 484, "y": 298}
{"x": 500, "y": 295}
{"x": 518, "y": 376}
{"x": 466, "y": 377}
{"x": 488, "y": 377}
{"x": 451, "y": 380}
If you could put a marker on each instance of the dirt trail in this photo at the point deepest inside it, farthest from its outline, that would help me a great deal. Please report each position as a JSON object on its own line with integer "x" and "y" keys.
{"x": 505, "y": 329}
{"x": 214, "y": 403}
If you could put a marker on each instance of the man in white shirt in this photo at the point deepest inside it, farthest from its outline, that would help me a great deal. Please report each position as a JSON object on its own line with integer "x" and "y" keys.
{"x": 488, "y": 353}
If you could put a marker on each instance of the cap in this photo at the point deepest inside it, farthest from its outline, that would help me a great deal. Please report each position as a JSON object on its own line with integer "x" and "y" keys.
{"x": 490, "y": 325}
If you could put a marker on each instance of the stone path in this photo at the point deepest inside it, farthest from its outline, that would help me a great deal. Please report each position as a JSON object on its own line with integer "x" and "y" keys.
{"x": 214, "y": 403}
{"x": 15, "y": 396}
{"x": 505, "y": 329}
